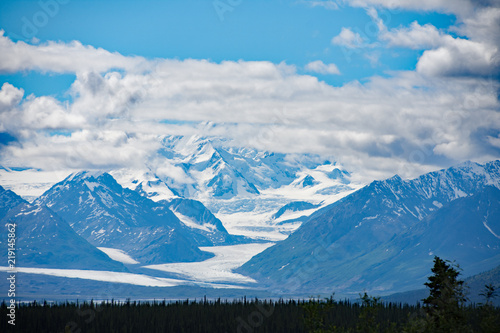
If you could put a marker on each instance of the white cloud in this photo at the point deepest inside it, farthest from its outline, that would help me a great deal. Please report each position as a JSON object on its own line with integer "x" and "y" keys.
{"x": 460, "y": 57}
{"x": 47, "y": 113}
{"x": 83, "y": 149}
{"x": 320, "y": 67}
{"x": 10, "y": 96}
{"x": 478, "y": 55}
{"x": 482, "y": 25}
{"x": 114, "y": 119}
{"x": 414, "y": 37}
{"x": 447, "y": 6}
{"x": 60, "y": 57}
{"x": 327, "y": 4}
{"x": 348, "y": 38}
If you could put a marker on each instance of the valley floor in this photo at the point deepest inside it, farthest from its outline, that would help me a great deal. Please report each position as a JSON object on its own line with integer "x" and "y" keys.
{"x": 215, "y": 272}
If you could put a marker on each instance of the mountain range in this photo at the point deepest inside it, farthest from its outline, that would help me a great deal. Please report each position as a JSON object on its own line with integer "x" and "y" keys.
{"x": 108, "y": 215}
{"x": 384, "y": 237}
{"x": 209, "y": 169}
{"x": 43, "y": 239}
{"x": 243, "y": 187}
{"x": 332, "y": 235}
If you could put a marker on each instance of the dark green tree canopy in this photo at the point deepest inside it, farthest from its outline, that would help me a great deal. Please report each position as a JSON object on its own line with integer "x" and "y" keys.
{"x": 446, "y": 296}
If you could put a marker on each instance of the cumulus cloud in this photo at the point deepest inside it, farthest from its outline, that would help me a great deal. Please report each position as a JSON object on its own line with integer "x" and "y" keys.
{"x": 59, "y": 57}
{"x": 405, "y": 124}
{"x": 47, "y": 113}
{"x": 414, "y": 37}
{"x": 476, "y": 54}
{"x": 267, "y": 107}
{"x": 83, "y": 149}
{"x": 460, "y": 57}
{"x": 10, "y": 96}
{"x": 348, "y": 38}
{"x": 320, "y": 67}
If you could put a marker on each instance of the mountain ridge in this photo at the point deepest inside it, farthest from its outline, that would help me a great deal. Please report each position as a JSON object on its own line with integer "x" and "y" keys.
{"x": 43, "y": 239}
{"x": 348, "y": 236}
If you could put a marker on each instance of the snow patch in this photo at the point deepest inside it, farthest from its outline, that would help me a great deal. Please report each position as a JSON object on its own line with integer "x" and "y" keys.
{"x": 283, "y": 266}
{"x": 489, "y": 229}
{"x": 118, "y": 255}
{"x": 437, "y": 204}
{"x": 34, "y": 212}
{"x": 189, "y": 222}
{"x": 92, "y": 185}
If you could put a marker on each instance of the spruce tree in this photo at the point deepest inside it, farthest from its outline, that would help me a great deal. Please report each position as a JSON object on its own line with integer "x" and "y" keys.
{"x": 490, "y": 319}
{"x": 444, "y": 305}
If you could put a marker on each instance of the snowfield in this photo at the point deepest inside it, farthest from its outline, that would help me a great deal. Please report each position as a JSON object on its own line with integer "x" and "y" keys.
{"x": 212, "y": 273}
{"x": 105, "y": 276}
{"x": 31, "y": 183}
{"x": 118, "y": 255}
{"x": 219, "y": 268}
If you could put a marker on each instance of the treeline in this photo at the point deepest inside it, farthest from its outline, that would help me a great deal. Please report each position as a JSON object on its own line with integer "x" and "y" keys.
{"x": 196, "y": 316}
{"x": 443, "y": 311}
{"x": 313, "y": 315}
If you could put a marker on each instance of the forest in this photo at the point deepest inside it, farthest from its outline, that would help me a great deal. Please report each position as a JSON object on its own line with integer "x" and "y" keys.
{"x": 444, "y": 310}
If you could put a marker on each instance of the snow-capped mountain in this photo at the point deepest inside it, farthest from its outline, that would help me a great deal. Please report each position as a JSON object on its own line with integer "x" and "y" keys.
{"x": 384, "y": 236}
{"x": 207, "y": 168}
{"x": 107, "y": 215}
{"x": 43, "y": 239}
{"x": 243, "y": 187}
{"x": 8, "y": 201}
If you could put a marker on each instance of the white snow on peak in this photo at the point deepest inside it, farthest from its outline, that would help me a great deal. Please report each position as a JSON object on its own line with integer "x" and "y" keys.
{"x": 85, "y": 174}
{"x": 92, "y": 185}
{"x": 151, "y": 184}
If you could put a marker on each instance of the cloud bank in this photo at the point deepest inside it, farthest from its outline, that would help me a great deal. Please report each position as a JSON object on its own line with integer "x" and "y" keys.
{"x": 445, "y": 111}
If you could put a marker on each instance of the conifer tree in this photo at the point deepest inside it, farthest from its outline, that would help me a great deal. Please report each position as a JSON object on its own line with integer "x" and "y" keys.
{"x": 444, "y": 305}
{"x": 490, "y": 320}
{"x": 368, "y": 316}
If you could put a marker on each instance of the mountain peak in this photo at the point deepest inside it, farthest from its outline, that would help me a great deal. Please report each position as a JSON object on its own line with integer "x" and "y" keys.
{"x": 86, "y": 174}
{"x": 380, "y": 236}
{"x": 396, "y": 179}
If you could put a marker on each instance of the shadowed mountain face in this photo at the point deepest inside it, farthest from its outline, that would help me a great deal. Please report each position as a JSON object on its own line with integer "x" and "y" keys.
{"x": 107, "y": 215}
{"x": 384, "y": 237}
{"x": 43, "y": 239}
{"x": 294, "y": 206}
{"x": 205, "y": 228}
{"x": 8, "y": 201}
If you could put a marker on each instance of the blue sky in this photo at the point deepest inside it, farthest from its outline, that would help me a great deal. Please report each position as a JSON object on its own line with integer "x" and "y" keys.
{"x": 384, "y": 87}
{"x": 278, "y": 31}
